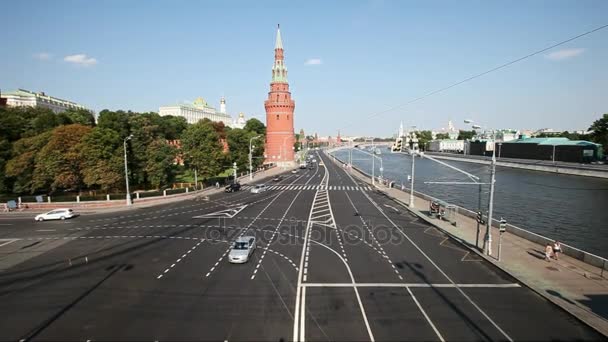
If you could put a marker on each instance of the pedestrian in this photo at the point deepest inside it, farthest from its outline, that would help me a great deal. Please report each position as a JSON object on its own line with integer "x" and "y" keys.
{"x": 548, "y": 252}
{"x": 217, "y": 184}
{"x": 557, "y": 248}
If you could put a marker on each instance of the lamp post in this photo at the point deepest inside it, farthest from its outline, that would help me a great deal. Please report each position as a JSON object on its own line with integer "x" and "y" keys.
{"x": 488, "y": 238}
{"x": 413, "y": 154}
{"x": 251, "y": 157}
{"x": 124, "y": 142}
{"x": 373, "y": 161}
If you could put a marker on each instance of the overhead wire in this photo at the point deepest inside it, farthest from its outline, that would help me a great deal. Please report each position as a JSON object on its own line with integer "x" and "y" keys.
{"x": 480, "y": 74}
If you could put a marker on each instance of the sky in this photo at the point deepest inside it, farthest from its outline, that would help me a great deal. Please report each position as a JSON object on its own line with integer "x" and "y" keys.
{"x": 354, "y": 66}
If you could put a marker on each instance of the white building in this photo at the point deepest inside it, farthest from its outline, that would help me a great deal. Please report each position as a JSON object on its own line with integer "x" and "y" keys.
{"x": 446, "y": 145}
{"x": 239, "y": 122}
{"x": 197, "y": 111}
{"x": 26, "y": 98}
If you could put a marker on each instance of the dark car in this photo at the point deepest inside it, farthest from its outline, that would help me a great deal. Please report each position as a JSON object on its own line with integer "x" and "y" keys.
{"x": 233, "y": 187}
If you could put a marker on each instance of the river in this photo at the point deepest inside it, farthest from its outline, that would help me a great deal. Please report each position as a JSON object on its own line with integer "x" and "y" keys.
{"x": 572, "y": 209}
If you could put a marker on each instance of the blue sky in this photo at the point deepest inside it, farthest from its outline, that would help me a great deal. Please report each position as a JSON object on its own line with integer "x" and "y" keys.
{"x": 372, "y": 55}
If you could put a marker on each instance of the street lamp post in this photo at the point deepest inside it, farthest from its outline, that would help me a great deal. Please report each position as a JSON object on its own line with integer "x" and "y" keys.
{"x": 251, "y": 157}
{"x": 126, "y": 169}
{"x": 488, "y": 238}
{"x": 234, "y": 167}
{"x": 413, "y": 154}
{"x": 373, "y": 162}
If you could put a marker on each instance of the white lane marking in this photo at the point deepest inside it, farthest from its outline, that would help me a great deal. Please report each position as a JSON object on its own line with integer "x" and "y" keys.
{"x": 438, "y": 268}
{"x": 180, "y": 259}
{"x": 302, "y": 272}
{"x": 7, "y": 241}
{"x": 425, "y": 315}
{"x": 46, "y": 230}
{"x": 303, "y": 316}
{"x": 414, "y": 285}
{"x": 350, "y": 273}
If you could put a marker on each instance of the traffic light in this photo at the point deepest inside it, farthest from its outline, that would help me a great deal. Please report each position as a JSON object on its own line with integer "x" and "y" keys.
{"x": 480, "y": 218}
{"x": 503, "y": 225}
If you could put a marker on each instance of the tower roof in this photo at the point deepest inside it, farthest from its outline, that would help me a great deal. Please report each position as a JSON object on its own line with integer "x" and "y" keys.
{"x": 279, "y": 42}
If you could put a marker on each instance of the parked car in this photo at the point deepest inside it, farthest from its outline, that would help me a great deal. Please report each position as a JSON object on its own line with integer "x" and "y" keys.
{"x": 233, "y": 187}
{"x": 241, "y": 250}
{"x": 259, "y": 188}
{"x": 56, "y": 214}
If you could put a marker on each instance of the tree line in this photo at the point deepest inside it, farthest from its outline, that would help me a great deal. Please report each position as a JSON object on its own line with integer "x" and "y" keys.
{"x": 45, "y": 152}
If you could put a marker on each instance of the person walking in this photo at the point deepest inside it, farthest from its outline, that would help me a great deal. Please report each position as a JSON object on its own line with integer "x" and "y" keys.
{"x": 557, "y": 248}
{"x": 548, "y": 252}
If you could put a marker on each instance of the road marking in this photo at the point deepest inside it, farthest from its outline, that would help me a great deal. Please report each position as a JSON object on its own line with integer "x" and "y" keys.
{"x": 414, "y": 285}
{"x": 438, "y": 268}
{"x": 180, "y": 259}
{"x": 7, "y": 241}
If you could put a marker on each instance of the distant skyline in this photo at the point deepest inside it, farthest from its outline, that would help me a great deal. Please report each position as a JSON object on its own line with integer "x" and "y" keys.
{"x": 347, "y": 60}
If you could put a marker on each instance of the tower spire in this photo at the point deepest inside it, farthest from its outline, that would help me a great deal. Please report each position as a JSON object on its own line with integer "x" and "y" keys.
{"x": 279, "y": 42}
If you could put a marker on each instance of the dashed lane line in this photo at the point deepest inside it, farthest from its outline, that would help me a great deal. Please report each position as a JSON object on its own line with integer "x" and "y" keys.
{"x": 273, "y": 235}
{"x": 185, "y": 255}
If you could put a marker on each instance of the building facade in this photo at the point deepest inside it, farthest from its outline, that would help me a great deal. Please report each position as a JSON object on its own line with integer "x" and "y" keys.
{"x": 446, "y": 145}
{"x": 279, "y": 107}
{"x": 26, "y": 98}
{"x": 197, "y": 111}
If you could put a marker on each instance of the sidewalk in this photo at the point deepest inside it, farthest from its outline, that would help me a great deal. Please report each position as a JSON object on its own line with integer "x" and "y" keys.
{"x": 577, "y": 287}
{"x": 119, "y": 205}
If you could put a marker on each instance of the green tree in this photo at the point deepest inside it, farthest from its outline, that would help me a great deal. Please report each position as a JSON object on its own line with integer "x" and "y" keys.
{"x": 80, "y": 116}
{"x": 466, "y": 135}
{"x": 599, "y": 130}
{"x": 144, "y": 131}
{"x": 5, "y": 154}
{"x": 58, "y": 164}
{"x": 202, "y": 149}
{"x": 20, "y": 168}
{"x": 423, "y": 138}
{"x": 255, "y": 125}
{"x": 172, "y": 126}
{"x": 102, "y": 159}
{"x": 117, "y": 121}
{"x": 159, "y": 168}
{"x": 442, "y": 136}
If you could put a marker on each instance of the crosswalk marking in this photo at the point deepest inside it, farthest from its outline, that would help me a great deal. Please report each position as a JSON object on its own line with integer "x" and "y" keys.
{"x": 314, "y": 187}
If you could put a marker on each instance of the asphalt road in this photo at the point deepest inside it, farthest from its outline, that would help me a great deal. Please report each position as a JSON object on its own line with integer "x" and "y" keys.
{"x": 335, "y": 260}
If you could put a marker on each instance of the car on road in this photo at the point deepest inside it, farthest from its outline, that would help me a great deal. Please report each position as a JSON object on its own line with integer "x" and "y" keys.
{"x": 277, "y": 178}
{"x": 259, "y": 188}
{"x": 321, "y": 164}
{"x": 242, "y": 250}
{"x": 302, "y": 165}
{"x": 294, "y": 171}
{"x": 56, "y": 214}
{"x": 233, "y": 187}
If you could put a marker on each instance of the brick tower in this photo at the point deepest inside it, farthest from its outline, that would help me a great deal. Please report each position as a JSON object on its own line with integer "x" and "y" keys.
{"x": 279, "y": 112}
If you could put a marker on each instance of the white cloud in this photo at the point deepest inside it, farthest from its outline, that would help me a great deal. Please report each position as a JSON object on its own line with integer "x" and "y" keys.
{"x": 80, "y": 59}
{"x": 565, "y": 54}
{"x": 42, "y": 56}
{"x": 313, "y": 61}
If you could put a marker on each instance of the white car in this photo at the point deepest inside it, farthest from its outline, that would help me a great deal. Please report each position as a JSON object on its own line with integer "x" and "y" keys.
{"x": 241, "y": 250}
{"x": 259, "y": 188}
{"x": 56, "y": 214}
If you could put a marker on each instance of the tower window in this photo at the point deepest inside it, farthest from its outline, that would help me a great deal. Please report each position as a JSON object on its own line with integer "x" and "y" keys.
{"x": 287, "y": 117}
{"x": 277, "y": 116}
